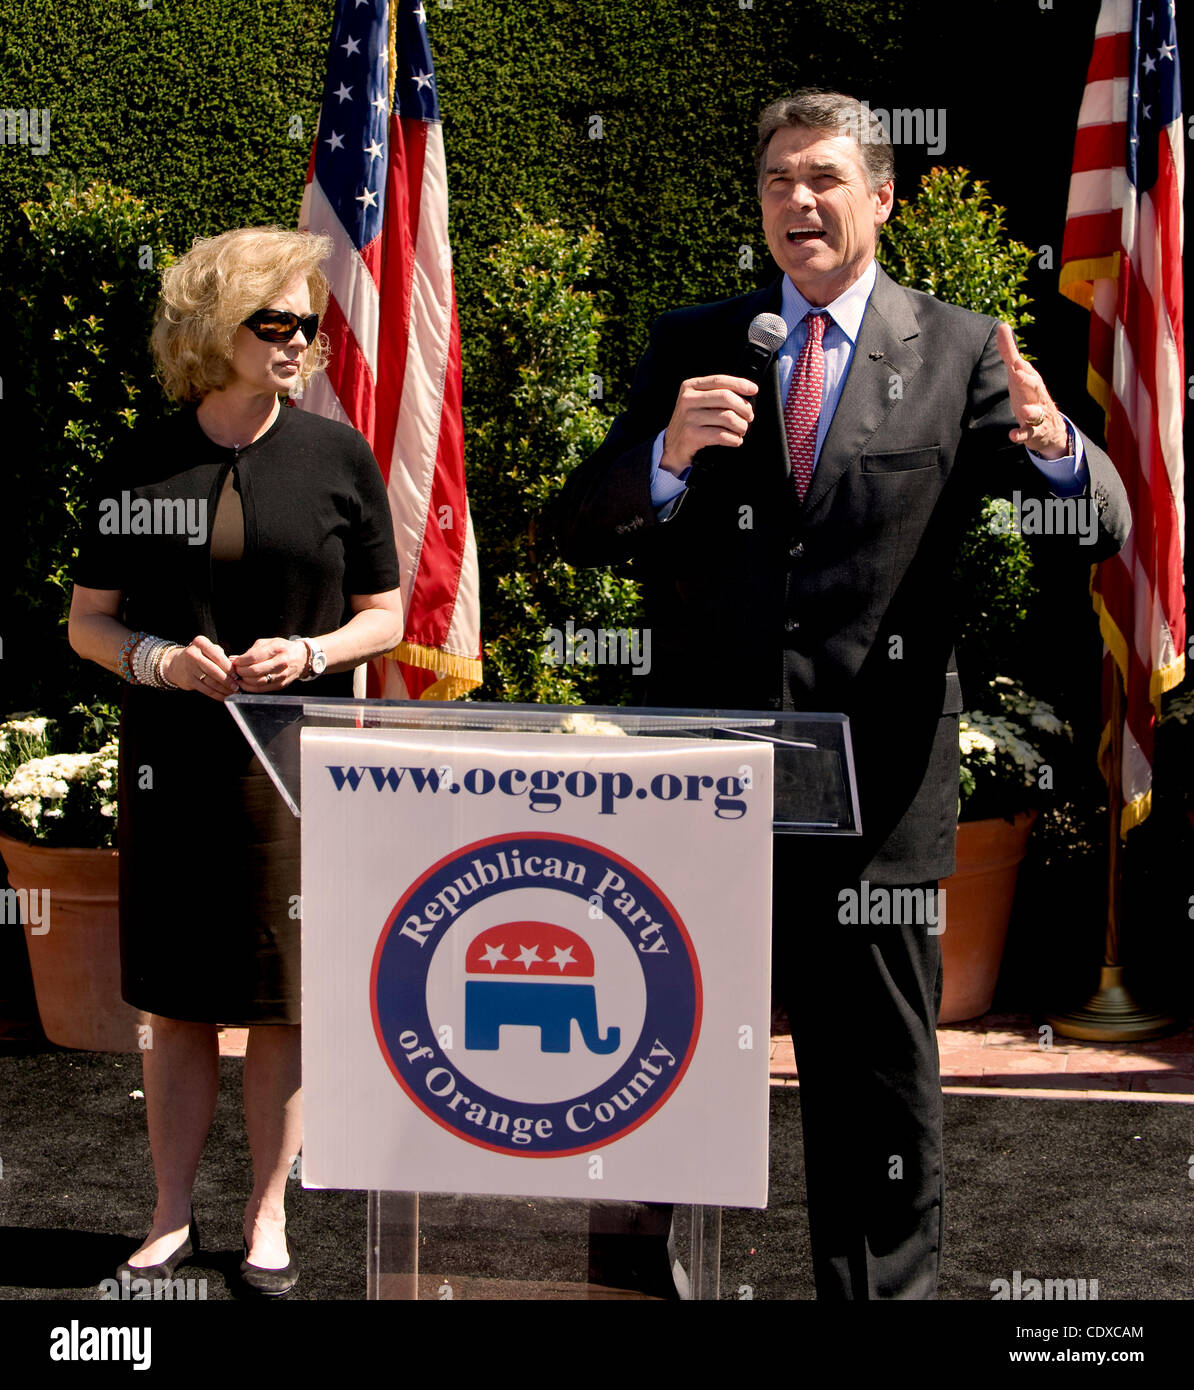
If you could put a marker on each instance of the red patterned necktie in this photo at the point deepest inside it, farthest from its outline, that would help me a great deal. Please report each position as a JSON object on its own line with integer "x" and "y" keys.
{"x": 802, "y": 410}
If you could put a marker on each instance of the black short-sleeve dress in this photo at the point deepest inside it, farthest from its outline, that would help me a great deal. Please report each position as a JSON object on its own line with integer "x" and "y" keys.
{"x": 268, "y": 540}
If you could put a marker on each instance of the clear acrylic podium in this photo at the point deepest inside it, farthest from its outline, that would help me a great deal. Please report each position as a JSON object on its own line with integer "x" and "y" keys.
{"x": 440, "y": 1246}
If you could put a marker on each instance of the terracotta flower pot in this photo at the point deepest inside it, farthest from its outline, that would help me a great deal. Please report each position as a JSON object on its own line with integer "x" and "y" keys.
{"x": 74, "y": 952}
{"x": 978, "y": 906}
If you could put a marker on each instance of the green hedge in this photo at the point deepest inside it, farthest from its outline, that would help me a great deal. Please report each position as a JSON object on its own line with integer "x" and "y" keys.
{"x": 194, "y": 108}
{"x": 187, "y": 105}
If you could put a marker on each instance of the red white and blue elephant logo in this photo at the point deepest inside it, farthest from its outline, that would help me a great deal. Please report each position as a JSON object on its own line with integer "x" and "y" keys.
{"x": 536, "y": 994}
{"x": 531, "y": 973}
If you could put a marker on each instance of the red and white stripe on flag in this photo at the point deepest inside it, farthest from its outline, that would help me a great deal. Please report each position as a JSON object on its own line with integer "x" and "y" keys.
{"x": 1121, "y": 259}
{"x": 377, "y": 185}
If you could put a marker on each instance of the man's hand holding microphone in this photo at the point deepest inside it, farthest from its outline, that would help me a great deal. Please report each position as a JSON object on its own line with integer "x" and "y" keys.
{"x": 716, "y": 411}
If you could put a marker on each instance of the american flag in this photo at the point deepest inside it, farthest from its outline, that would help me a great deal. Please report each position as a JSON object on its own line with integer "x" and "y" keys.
{"x": 377, "y": 185}
{"x": 1121, "y": 259}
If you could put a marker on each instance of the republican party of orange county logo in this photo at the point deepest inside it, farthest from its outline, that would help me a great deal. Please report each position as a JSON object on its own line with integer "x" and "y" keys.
{"x": 536, "y": 994}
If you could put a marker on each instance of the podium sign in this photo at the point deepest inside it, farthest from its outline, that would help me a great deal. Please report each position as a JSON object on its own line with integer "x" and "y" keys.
{"x": 508, "y": 946}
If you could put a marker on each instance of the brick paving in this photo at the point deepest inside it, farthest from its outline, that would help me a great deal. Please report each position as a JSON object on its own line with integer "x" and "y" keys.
{"x": 1002, "y": 1054}
{"x": 1005, "y": 1054}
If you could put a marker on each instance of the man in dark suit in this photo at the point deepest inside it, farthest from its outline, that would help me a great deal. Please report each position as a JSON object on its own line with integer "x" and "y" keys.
{"x": 796, "y": 542}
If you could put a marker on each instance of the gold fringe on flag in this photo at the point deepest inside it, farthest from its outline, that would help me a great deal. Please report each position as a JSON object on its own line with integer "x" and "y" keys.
{"x": 457, "y": 674}
{"x": 1077, "y": 278}
{"x": 1136, "y": 811}
{"x": 392, "y": 51}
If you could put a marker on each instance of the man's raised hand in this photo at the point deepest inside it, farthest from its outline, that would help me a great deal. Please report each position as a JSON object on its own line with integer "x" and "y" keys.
{"x": 1041, "y": 427}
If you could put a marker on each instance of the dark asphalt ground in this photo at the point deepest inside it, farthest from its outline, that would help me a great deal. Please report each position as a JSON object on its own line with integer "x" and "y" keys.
{"x": 1052, "y": 1188}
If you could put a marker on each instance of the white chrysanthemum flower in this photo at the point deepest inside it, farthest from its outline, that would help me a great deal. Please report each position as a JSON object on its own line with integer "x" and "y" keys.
{"x": 48, "y": 777}
{"x": 39, "y": 792}
{"x": 1043, "y": 718}
{"x": 31, "y": 728}
{"x": 974, "y": 740}
{"x": 1180, "y": 709}
{"x": 589, "y": 724}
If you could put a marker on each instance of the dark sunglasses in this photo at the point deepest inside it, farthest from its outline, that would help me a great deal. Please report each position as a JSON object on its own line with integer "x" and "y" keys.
{"x": 279, "y": 326}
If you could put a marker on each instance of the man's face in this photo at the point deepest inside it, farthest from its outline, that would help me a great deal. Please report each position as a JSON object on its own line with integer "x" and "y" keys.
{"x": 821, "y": 220}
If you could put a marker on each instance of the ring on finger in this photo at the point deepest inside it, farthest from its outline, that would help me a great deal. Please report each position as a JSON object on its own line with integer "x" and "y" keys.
{"x": 202, "y": 676}
{"x": 266, "y": 679}
{"x": 1037, "y": 423}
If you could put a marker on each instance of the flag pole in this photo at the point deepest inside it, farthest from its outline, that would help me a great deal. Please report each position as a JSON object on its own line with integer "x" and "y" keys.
{"x": 1111, "y": 1014}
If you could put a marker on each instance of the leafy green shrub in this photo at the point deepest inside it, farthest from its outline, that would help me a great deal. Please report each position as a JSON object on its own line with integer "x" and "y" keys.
{"x": 952, "y": 243}
{"x": 530, "y": 381}
{"x": 994, "y": 583}
{"x": 86, "y": 279}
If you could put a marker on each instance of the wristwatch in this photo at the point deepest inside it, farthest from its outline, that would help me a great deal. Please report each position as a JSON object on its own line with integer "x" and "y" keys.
{"x": 317, "y": 661}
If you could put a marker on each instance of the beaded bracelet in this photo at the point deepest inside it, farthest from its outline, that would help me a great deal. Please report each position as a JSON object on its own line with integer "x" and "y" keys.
{"x": 127, "y": 647}
{"x": 153, "y": 663}
{"x": 162, "y": 682}
{"x": 142, "y": 656}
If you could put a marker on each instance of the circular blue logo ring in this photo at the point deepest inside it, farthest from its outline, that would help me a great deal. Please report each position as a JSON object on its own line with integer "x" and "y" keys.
{"x": 578, "y": 1124}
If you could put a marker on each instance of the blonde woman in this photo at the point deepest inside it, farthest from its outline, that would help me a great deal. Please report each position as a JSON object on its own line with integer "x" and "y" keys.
{"x": 240, "y": 546}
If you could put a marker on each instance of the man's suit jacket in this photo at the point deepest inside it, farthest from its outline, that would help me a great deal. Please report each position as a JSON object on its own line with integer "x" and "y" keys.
{"x": 842, "y": 602}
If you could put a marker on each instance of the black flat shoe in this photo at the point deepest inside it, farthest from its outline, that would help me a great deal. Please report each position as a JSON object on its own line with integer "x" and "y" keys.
{"x": 166, "y": 1269}
{"x": 269, "y": 1283}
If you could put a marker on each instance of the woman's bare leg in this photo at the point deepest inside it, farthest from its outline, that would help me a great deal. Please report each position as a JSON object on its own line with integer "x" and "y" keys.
{"x": 181, "y": 1070}
{"x": 274, "y": 1122}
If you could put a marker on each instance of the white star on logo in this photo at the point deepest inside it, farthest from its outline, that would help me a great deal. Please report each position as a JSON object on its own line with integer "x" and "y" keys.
{"x": 1148, "y": 112}
{"x": 344, "y": 93}
{"x": 492, "y": 955}
{"x": 1166, "y": 51}
{"x": 374, "y": 151}
{"x": 421, "y": 15}
{"x": 424, "y": 79}
{"x": 1149, "y": 64}
{"x": 563, "y": 957}
{"x": 381, "y": 102}
{"x": 336, "y": 141}
{"x": 350, "y": 46}
{"x": 528, "y": 956}
{"x": 368, "y": 199}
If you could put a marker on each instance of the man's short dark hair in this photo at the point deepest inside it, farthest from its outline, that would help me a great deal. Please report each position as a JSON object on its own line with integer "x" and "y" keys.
{"x": 835, "y": 114}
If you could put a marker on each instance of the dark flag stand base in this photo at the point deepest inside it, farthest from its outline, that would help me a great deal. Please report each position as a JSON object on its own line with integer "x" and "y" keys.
{"x": 1111, "y": 1014}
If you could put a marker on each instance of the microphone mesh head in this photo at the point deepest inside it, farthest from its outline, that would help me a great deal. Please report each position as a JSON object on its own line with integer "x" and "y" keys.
{"x": 768, "y": 331}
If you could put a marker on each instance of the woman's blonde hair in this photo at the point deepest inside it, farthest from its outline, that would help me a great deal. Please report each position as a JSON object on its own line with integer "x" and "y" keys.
{"x": 210, "y": 291}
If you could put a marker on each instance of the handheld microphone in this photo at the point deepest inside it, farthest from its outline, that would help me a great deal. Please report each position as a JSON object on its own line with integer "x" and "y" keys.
{"x": 766, "y": 335}
{"x": 764, "y": 338}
